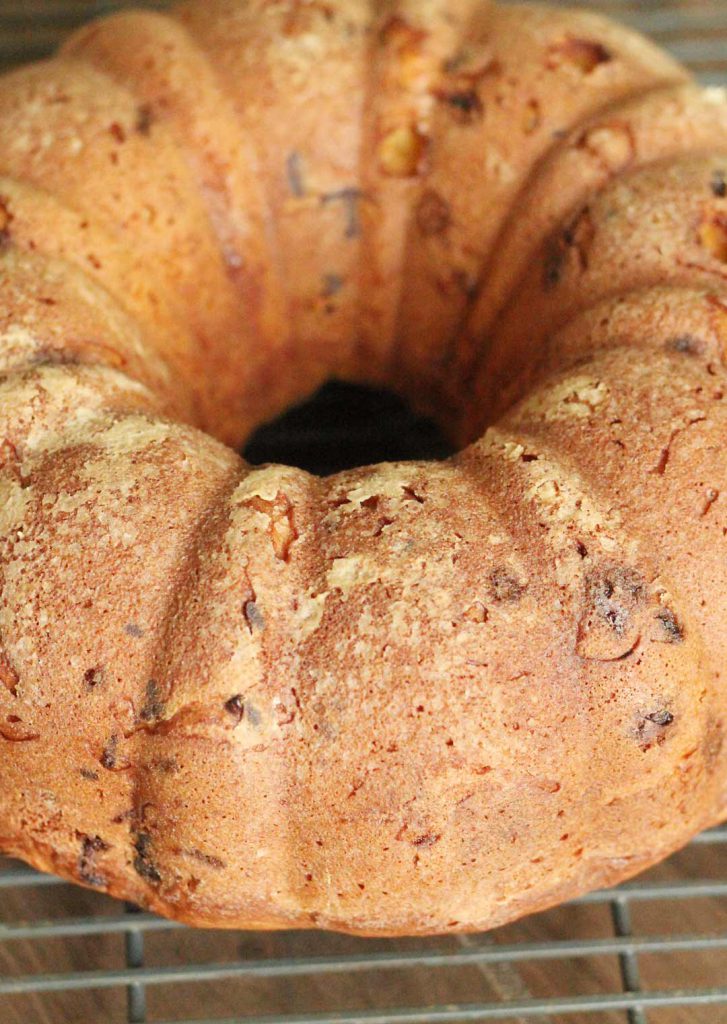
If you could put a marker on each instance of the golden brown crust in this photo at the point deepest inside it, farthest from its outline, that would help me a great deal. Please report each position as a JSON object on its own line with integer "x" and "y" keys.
{"x": 408, "y": 698}
{"x": 545, "y": 71}
{"x": 663, "y": 123}
{"x": 292, "y": 74}
{"x": 660, "y": 226}
{"x": 177, "y": 88}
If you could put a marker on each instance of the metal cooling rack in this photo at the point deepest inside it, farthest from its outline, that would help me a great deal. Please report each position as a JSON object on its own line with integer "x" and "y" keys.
{"x": 650, "y": 952}
{"x": 301, "y": 966}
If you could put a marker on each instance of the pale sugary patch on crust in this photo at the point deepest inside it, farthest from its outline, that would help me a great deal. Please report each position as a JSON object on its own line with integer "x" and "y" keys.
{"x": 309, "y": 613}
{"x": 354, "y": 571}
{"x": 385, "y": 481}
{"x": 576, "y": 397}
{"x": 49, "y": 408}
{"x": 14, "y": 501}
{"x": 132, "y": 434}
{"x": 18, "y": 335}
{"x": 265, "y": 483}
{"x": 715, "y": 94}
{"x": 561, "y": 495}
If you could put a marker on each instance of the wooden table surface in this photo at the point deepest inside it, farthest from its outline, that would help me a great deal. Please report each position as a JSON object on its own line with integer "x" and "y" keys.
{"x": 697, "y": 32}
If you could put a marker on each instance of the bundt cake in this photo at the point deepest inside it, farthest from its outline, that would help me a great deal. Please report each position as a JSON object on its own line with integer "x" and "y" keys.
{"x": 407, "y": 698}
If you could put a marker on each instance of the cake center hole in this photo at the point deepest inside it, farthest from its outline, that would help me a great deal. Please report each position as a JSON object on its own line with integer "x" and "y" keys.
{"x": 343, "y": 426}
